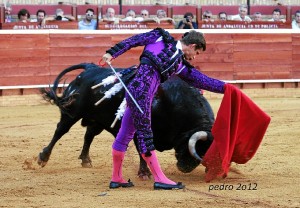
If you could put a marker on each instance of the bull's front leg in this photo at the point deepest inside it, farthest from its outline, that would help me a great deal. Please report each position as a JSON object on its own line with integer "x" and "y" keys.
{"x": 89, "y": 136}
{"x": 62, "y": 128}
{"x": 143, "y": 173}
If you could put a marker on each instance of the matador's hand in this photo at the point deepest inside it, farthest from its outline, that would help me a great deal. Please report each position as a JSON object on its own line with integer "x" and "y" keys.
{"x": 107, "y": 58}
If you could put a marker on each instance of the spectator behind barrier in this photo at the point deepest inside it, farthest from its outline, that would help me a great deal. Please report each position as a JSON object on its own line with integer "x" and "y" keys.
{"x": 207, "y": 16}
{"x": 296, "y": 21}
{"x": 242, "y": 15}
{"x": 276, "y": 16}
{"x": 40, "y": 17}
{"x": 110, "y": 15}
{"x": 222, "y": 16}
{"x": 8, "y": 11}
{"x": 24, "y": 16}
{"x": 130, "y": 16}
{"x": 88, "y": 23}
{"x": 257, "y": 16}
{"x": 162, "y": 16}
{"x": 59, "y": 16}
{"x": 187, "y": 22}
{"x": 145, "y": 17}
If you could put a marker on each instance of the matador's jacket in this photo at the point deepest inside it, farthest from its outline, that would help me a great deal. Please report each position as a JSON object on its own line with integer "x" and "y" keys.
{"x": 160, "y": 59}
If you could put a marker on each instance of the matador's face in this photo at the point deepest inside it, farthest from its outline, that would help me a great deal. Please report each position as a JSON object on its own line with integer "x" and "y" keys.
{"x": 190, "y": 52}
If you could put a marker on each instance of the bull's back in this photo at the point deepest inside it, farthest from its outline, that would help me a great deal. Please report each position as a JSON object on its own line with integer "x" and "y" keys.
{"x": 86, "y": 97}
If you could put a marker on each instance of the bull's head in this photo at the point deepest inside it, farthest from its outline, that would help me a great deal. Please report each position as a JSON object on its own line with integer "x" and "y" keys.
{"x": 190, "y": 156}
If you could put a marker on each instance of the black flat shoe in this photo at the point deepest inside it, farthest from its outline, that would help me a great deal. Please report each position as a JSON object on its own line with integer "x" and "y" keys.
{"x": 164, "y": 186}
{"x": 113, "y": 185}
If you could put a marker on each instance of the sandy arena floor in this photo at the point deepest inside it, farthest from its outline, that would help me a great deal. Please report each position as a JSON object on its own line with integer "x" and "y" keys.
{"x": 271, "y": 178}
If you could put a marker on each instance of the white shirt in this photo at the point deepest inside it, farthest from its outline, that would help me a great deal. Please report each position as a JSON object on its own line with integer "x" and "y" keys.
{"x": 238, "y": 17}
{"x": 272, "y": 20}
{"x": 130, "y": 18}
{"x": 179, "y": 47}
{"x": 139, "y": 19}
{"x": 295, "y": 25}
{"x": 82, "y": 25}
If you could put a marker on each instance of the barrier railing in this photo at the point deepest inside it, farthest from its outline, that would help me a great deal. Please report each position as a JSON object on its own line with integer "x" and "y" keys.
{"x": 134, "y": 25}
{"x": 258, "y": 58}
{"x": 35, "y": 25}
{"x": 147, "y": 25}
{"x": 243, "y": 25}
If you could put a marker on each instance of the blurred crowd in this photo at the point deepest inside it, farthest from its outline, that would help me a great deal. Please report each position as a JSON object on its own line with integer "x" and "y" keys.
{"x": 90, "y": 20}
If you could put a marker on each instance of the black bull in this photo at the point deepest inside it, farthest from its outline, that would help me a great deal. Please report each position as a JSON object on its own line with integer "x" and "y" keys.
{"x": 179, "y": 112}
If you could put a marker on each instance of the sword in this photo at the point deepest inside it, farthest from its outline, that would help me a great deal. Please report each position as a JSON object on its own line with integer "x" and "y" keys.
{"x": 126, "y": 89}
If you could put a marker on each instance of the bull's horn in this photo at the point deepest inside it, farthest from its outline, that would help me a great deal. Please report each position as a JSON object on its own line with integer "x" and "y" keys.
{"x": 200, "y": 135}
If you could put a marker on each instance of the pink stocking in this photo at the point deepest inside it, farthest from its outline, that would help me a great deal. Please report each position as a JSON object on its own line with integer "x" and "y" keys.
{"x": 154, "y": 166}
{"x": 118, "y": 158}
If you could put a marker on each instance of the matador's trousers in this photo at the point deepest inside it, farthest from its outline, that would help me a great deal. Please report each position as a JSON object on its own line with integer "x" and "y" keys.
{"x": 142, "y": 87}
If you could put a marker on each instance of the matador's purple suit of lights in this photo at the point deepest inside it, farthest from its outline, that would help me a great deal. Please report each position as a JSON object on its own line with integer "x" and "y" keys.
{"x": 161, "y": 58}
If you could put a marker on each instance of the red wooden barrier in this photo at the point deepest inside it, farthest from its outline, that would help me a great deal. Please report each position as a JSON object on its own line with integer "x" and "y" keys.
{"x": 34, "y": 25}
{"x": 295, "y": 70}
{"x": 256, "y": 56}
{"x": 229, "y": 24}
{"x": 134, "y": 25}
{"x": 37, "y": 58}
{"x": 24, "y": 59}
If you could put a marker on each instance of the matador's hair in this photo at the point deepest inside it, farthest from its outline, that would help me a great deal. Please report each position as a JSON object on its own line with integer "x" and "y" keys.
{"x": 194, "y": 37}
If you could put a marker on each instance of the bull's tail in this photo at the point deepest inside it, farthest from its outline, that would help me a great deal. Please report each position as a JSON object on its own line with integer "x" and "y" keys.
{"x": 50, "y": 94}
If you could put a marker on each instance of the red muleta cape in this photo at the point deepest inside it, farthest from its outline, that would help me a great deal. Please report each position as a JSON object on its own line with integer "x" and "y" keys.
{"x": 238, "y": 131}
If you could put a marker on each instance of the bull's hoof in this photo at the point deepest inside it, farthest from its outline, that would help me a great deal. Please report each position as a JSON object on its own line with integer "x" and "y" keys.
{"x": 40, "y": 162}
{"x": 144, "y": 175}
{"x": 86, "y": 164}
{"x": 86, "y": 161}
